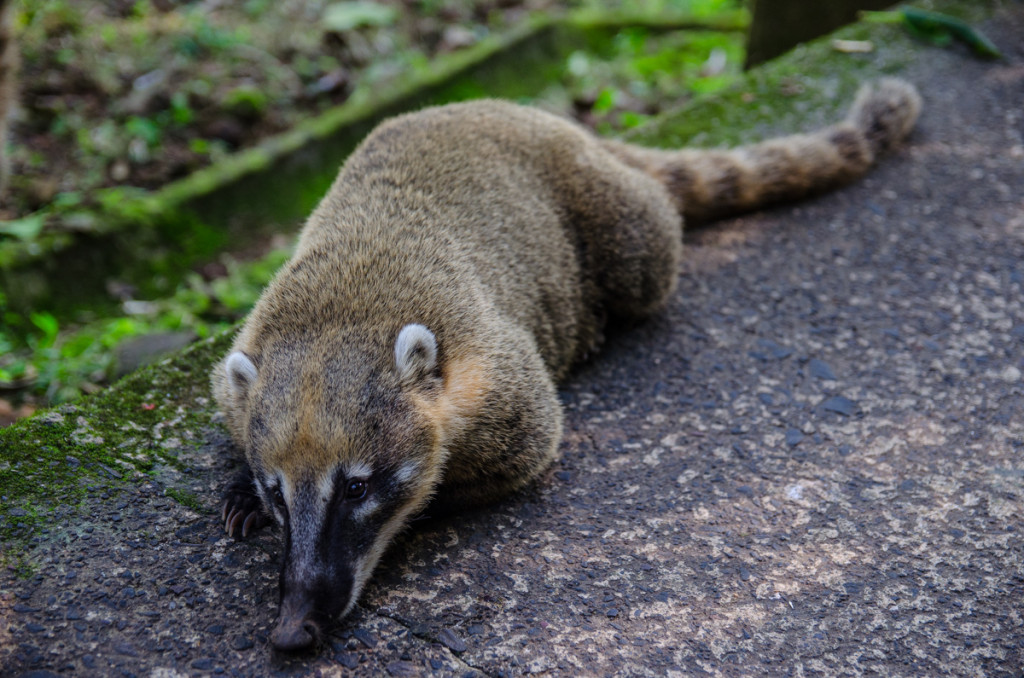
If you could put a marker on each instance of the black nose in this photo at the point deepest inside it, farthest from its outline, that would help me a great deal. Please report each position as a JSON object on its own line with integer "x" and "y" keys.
{"x": 293, "y": 634}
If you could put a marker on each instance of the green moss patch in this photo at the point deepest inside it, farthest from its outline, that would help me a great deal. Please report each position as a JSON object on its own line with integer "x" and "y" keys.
{"x": 53, "y": 460}
{"x": 811, "y": 85}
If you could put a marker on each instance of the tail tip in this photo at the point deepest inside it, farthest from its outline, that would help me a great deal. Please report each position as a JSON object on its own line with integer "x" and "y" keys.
{"x": 885, "y": 111}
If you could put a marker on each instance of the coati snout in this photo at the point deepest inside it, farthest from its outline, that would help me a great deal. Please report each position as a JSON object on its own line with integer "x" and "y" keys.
{"x": 464, "y": 259}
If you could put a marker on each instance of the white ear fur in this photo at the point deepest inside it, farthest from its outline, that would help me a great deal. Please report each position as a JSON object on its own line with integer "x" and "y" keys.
{"x": 415, "y": 352}
{"x": 241, "y": 373}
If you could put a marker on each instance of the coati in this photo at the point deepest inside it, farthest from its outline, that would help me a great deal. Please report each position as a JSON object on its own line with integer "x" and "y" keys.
{"x": 464, "y": 259}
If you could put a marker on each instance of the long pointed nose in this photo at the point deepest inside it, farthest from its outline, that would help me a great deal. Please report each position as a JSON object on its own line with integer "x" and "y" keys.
{"x": 296, "y": 630}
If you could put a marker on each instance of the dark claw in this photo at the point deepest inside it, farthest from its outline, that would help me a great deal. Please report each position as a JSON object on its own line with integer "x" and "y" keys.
{"x": 236, "y": 521}
{"x": 250, "y": 520}
{"x": 243, "y": 510}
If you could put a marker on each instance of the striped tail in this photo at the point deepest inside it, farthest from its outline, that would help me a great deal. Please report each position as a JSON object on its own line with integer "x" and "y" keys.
{"x": 709, "y": 184}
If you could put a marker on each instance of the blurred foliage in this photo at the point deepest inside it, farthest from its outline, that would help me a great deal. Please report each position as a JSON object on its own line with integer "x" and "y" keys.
{"x": 124, "y": 96}
{"x": 59, "y": 364}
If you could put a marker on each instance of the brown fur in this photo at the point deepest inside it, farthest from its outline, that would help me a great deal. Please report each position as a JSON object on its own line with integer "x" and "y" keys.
{"x": 512, "y": 235}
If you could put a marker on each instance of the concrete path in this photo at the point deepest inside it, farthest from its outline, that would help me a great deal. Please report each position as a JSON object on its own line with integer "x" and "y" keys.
{"x": 810, "y": 464}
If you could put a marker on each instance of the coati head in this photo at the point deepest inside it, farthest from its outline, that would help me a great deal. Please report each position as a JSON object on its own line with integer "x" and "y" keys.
{"x": 343, "y": 450}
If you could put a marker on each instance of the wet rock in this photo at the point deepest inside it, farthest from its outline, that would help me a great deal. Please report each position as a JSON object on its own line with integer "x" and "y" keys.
{"x": 840, "y": 405}
{"x": 448, "y": 638}
{"x": 125, "y": 649}
{"x": 133, "y": 353}
{"x": 366, "y": 638}
{"x": 241, "y": 643}
{"x": 819, "y": 369}
{"x": 402, "y": 669}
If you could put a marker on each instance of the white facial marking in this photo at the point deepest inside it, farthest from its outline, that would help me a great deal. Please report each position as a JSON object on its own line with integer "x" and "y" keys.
{"x": 241, "y": 372}
{"x": 357, "y": 470}
{"x": 415, "y": 351}
{"x": 325, "y": 488}
{"x": 365, "y": 509}
{"x": 406, "y": 472}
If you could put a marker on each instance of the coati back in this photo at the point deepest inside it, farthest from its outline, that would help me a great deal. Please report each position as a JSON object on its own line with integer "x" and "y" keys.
{"x": 464, "y": 259}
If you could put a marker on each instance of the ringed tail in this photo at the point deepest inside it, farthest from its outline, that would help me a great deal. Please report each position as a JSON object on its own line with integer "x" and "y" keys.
{"x": 710, "y": 184}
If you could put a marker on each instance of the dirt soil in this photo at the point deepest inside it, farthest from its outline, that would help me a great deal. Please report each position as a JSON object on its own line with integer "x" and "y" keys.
{"x": 120, "y": 93}
{"x": 810, "y": 464}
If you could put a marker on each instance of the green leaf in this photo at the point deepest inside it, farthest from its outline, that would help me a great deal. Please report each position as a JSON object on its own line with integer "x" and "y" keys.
{"x": 47, "y": 323}
{"x": 605, "y": 100}
{"x": 26, "y": 228}
{"x": 344, "y": 16}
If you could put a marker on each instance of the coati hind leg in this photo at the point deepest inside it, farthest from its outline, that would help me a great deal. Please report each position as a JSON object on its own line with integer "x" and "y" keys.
{"x": 630, "y": 231}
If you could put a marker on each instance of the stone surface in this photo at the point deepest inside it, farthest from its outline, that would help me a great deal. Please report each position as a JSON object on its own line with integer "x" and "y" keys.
{"x": 710, "y": 513}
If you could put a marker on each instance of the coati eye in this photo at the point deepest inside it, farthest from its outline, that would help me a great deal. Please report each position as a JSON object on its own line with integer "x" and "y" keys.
{"x": 355, "y": 490}
{"x": 278, "y": 498}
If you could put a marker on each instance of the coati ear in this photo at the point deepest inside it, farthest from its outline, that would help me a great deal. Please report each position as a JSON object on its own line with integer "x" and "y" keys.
{"x": 241, "y": 373}
{"x": 415, "y": 353}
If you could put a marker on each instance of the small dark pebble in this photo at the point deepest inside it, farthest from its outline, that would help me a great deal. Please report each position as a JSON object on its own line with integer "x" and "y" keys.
{"x": 436, "y": 664}
{"x": 366, "y": 638}
{"x": 22, "y": 607}
{"x": 216, "y": 629}
{"x": 819, "y": 369}
{"x": 204, "y": 664}
{"x": 778, "y": 351}
{"x": 908, "y": 484}
{"x": 793, "y": 437}
{"x": 401, "y": 669}
{"x": 88, "y": 661}
{"x": 564, "y": 476}
{"x": 40, "y": 674}
{"x": 476, "y": 629}
{"x": 745, "y": 574}
{"x": 612, "y": 612}
{"x": 448, "y": 638}
{"x": 840, "y": 405}
{"x": 126, "y": 649}
{"x": 32, "y": 627}
{"x": 242, "y": 643}
{"x": 745, "y": 490}
{"x": 349, "y": 661}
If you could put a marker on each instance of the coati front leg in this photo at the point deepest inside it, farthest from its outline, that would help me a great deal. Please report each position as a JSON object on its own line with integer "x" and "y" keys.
{"x": 243, "y": 511}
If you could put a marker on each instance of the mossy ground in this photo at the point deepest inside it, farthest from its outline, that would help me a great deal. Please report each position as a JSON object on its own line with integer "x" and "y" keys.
{"x": 54, "y": 460}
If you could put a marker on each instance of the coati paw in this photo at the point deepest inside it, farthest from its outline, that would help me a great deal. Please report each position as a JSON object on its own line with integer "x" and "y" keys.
{"x": 243, "y": 511}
